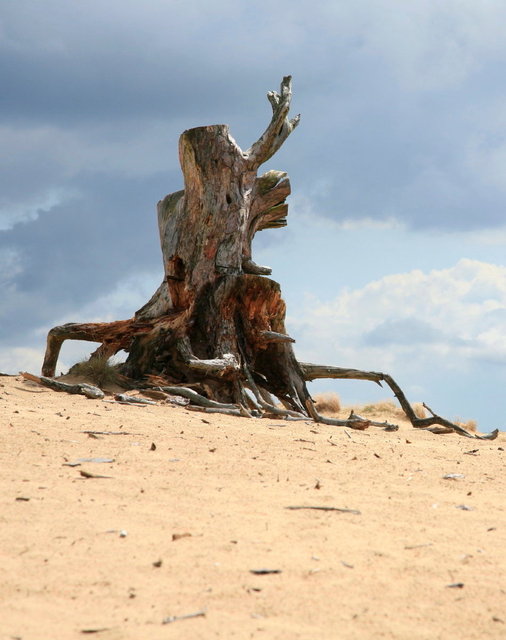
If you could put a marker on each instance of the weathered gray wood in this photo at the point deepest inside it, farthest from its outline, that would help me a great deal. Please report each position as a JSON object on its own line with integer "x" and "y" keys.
{"x": 318, "y": 371}
{"x": 274, "y": 336}
{"x": 314, "y": 371}
{"x": 81, "y": 388}
{"x": 124, "y": 398}
{"x": 197, "y": 398}
{"x": 280, "y": 126}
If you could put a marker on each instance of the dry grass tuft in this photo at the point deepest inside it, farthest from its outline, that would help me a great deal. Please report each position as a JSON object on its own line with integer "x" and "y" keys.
{"x": 328, "y": 403}
{"x": 419, "y": 410}
{"x": 386, "y": 407}
{"x": 390, "y": 408}
{"x": 98, "y": 371}
{"x": 470, "y": 425}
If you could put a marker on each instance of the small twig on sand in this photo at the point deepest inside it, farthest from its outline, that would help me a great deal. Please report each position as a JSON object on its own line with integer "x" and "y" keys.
{"x": 109, "y": 433}
{"x": 87, "y": 474}
{"x": 197, "y": 614}
{"x": 340, "y": 509}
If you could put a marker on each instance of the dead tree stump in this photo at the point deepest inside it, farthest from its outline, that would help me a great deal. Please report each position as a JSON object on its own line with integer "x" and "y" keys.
{"x": 216, "y": 325}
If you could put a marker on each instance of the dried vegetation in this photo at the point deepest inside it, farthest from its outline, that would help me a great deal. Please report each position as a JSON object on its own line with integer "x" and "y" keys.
{"x": 102, "y": 372}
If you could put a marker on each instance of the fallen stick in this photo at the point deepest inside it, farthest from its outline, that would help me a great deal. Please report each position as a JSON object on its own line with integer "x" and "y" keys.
{"x": 197, "y": 614}
{"x": 81, "y": 388}
{"x": 418, "y": 546}
{"x": 109, "y": 433}
{"x": 87, "y": 474}
{"x": 317, "y": 508}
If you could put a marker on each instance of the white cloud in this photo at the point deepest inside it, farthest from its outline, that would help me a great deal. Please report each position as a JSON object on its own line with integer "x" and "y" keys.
{"x": 29, "y": 209}
{"x": 119, "y": 304}
{"x": 445, "y": 318}
{"x": 15, "y": 359}
{"x": 368, "y": 223}
{"x": 428, "y": 45}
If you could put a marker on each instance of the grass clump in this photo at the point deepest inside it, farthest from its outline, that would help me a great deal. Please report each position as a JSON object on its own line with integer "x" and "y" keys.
{"x": 100, "y": 372}
{"x": 419, "y": 410}
{"x": 469, "y": 425}
{"x": 328, "y": 403}
{"x": 389, "y": 407}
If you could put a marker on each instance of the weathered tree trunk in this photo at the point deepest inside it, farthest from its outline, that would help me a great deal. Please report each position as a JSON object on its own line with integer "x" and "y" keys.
{"x": 215, "y": 326}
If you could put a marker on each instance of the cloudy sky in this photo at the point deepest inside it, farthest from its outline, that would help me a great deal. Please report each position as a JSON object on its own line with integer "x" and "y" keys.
{"x": 394, "y": 257}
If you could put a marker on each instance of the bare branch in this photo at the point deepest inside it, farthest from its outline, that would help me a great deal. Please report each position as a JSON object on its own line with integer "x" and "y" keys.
{"x": 313, "y": 371}
{"x": 81, "y": 388}
{"x": 279, "y": 128}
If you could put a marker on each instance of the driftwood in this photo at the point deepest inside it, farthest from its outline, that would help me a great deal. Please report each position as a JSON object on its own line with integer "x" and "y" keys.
{"x": 81, "y": 388}
{"x": 214, "y": 331}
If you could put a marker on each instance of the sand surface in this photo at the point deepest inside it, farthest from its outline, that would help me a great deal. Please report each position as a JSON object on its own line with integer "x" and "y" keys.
{"x": 192, "y": 503}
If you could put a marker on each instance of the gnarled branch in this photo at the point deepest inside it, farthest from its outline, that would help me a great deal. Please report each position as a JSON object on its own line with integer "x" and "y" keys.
{"x": 313, "y": 371}
{"x": 280, "y": 127}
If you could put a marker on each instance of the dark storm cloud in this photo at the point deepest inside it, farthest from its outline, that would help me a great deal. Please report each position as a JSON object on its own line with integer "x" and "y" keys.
{"x": 89, "y": 86}
{"x": 390, "y": 119}
{"x": 82, "y": 248}
{"x": 401, "y": 118}
{"x": 72, "y": 64}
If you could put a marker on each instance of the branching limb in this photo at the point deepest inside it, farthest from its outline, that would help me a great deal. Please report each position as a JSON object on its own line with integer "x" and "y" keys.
{"x": 313, "y": 371}
{"x": 279, "y": 128}
{"x": 423, "y": 423}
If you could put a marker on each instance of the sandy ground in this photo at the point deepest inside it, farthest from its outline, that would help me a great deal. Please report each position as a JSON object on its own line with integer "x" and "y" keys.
{"x": 192, "y": 503}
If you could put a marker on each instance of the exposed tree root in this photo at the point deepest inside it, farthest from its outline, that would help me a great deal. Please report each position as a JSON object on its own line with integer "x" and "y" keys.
{"x": 312, "y": 372}
{"x": 81, "y": 388}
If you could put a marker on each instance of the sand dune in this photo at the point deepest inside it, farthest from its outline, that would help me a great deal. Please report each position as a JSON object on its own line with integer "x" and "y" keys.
{"x": 191, "y": 506}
